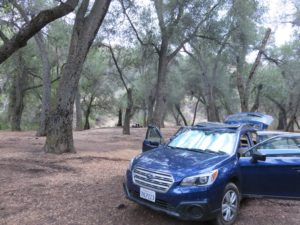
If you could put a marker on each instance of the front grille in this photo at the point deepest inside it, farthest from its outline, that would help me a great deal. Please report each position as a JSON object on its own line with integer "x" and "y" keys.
{"x": 156, "y": 181}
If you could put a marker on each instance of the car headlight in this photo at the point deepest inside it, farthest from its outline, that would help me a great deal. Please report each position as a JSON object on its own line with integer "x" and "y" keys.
{"x": 201, "y": 179}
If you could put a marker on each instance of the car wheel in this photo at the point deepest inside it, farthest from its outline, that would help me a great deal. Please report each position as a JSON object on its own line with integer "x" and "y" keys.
{"x": 229, "y": 206}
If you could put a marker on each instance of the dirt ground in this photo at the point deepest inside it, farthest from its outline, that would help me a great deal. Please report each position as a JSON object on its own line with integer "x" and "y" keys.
{"x": 86, "y": 187}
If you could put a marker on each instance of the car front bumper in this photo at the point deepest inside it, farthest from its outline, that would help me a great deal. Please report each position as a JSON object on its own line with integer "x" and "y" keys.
{"x": 199, "y": 210}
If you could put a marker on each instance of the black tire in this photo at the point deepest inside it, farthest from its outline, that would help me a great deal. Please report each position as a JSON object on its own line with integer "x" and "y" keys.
{"x": 229, "y": 206}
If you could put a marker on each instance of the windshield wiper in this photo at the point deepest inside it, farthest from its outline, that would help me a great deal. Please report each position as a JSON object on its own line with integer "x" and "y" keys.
{"x": 187, "y": 149}
{"x": 214, "y": 152}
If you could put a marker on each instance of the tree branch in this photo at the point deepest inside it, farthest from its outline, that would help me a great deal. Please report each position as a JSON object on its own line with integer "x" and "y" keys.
{"x": 20, "y": 39}
{"x": 191, "y": 36}
{"x": 117, "y": 65}
{"x": 135, "y": 30}
{"x": 39, "y": 85}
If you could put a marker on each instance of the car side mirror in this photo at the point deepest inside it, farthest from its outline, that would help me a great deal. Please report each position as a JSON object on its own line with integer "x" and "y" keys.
{"x": 257, "y": 156}
{"x": 154, "y": 143}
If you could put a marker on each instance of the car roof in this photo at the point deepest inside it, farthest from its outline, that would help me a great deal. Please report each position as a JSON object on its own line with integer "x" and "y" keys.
{"x": 218, "y": 125}
{"x": 262, "y": 132}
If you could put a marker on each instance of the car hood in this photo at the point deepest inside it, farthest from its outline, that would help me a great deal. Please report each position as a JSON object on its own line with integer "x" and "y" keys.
{"x": 180, "y": 163}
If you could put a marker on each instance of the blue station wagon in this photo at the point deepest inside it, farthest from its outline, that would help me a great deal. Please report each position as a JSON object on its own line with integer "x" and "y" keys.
{"x": 204, "y": 170}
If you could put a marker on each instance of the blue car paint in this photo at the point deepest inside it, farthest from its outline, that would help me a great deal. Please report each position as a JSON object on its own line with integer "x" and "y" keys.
{"x": 277, "y": 177}
{"x": 252, "y": 179}
{"x": 259, "y": 120}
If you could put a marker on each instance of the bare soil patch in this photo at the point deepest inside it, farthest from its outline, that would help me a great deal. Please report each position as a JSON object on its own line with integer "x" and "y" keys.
{"x": 86, "y": 188}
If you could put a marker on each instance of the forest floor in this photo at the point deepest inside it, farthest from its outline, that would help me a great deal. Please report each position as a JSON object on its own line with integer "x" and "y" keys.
{"x": 86, "y": 187}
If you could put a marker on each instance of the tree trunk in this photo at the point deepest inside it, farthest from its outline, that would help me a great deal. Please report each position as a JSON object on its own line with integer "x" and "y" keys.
{"x": 144, "y": 113}
{"x": 282, "y": 120}
{"x": 177, "y": 106}
{"x": 150, "y": 107}
{"x": 46, "y": 97}
{"x": 244, "y": 88}
{"x": 16, "y": 95}
{"x": 78, "y": 111}
{"x": 87, "y": 120}
{"x": 128, "y": 112}
{"x": 16, "y": 104}
{"x": 59, "y": 133}
{"x": 120, "y": 118}
{"x": 290, "y": 126}
{"x": 176, "y": 117}
{"x": 297, "y": 123}
{"x": 195, "y": 111}
{"x": 211, "y": 108}
{"x": 161, "y": 87}
{"x": 88, "y": 113}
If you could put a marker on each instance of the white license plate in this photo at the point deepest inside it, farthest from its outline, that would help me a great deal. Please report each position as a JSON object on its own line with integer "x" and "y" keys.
{"x": 147, "y": 194}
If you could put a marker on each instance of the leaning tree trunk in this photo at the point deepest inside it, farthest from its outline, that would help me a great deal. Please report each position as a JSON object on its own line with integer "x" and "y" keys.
{"x": 128, "y": 112}
{"x": 59, "y": 129}
{"x": 177, "y": 107}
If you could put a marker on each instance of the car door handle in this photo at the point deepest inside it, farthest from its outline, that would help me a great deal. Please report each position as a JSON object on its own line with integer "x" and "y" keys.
{"x": 297, "y": 169}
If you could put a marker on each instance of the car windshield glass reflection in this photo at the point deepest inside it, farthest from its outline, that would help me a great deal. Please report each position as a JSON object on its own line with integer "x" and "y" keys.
{"x": 207, "y": 141}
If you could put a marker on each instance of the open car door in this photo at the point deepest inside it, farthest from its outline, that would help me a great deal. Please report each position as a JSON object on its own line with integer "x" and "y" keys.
{"x": 272, "y": 169}
{"x": 259, "y": 121}
{"x": 153, "y": 138}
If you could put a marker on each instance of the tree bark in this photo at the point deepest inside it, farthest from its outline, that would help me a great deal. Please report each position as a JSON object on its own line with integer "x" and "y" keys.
{"x": 161, "y": 86}
{"x": 78, "y": 111}
{"x": 144, "y": 108}
{"x": 120, "y": 118}
{"x": 16, "y": 95}
{"x": 88, "y": 113}
{"x": 150, "y": 107}
{"x": 176, "y": 117}
{"x": 282, "y": 120}
{"x": 46, "y": 97}
{"x": 195, "y": 111}
{"x": 128, "y": 112}
{"x": 34, "y": 26}
{"x": 59, "y": 133}
{"x": 177, "y": 106}
{"x": 16, "y": 104}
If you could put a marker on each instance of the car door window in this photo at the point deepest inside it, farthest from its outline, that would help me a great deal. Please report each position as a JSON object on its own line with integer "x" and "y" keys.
{"x": 253, "y": 136}
{"x": 154, "y": 135}
{"x": 281, "y": 147}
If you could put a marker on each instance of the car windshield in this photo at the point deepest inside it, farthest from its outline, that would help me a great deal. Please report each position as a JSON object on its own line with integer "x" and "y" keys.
{"x": 202, "y": 140}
